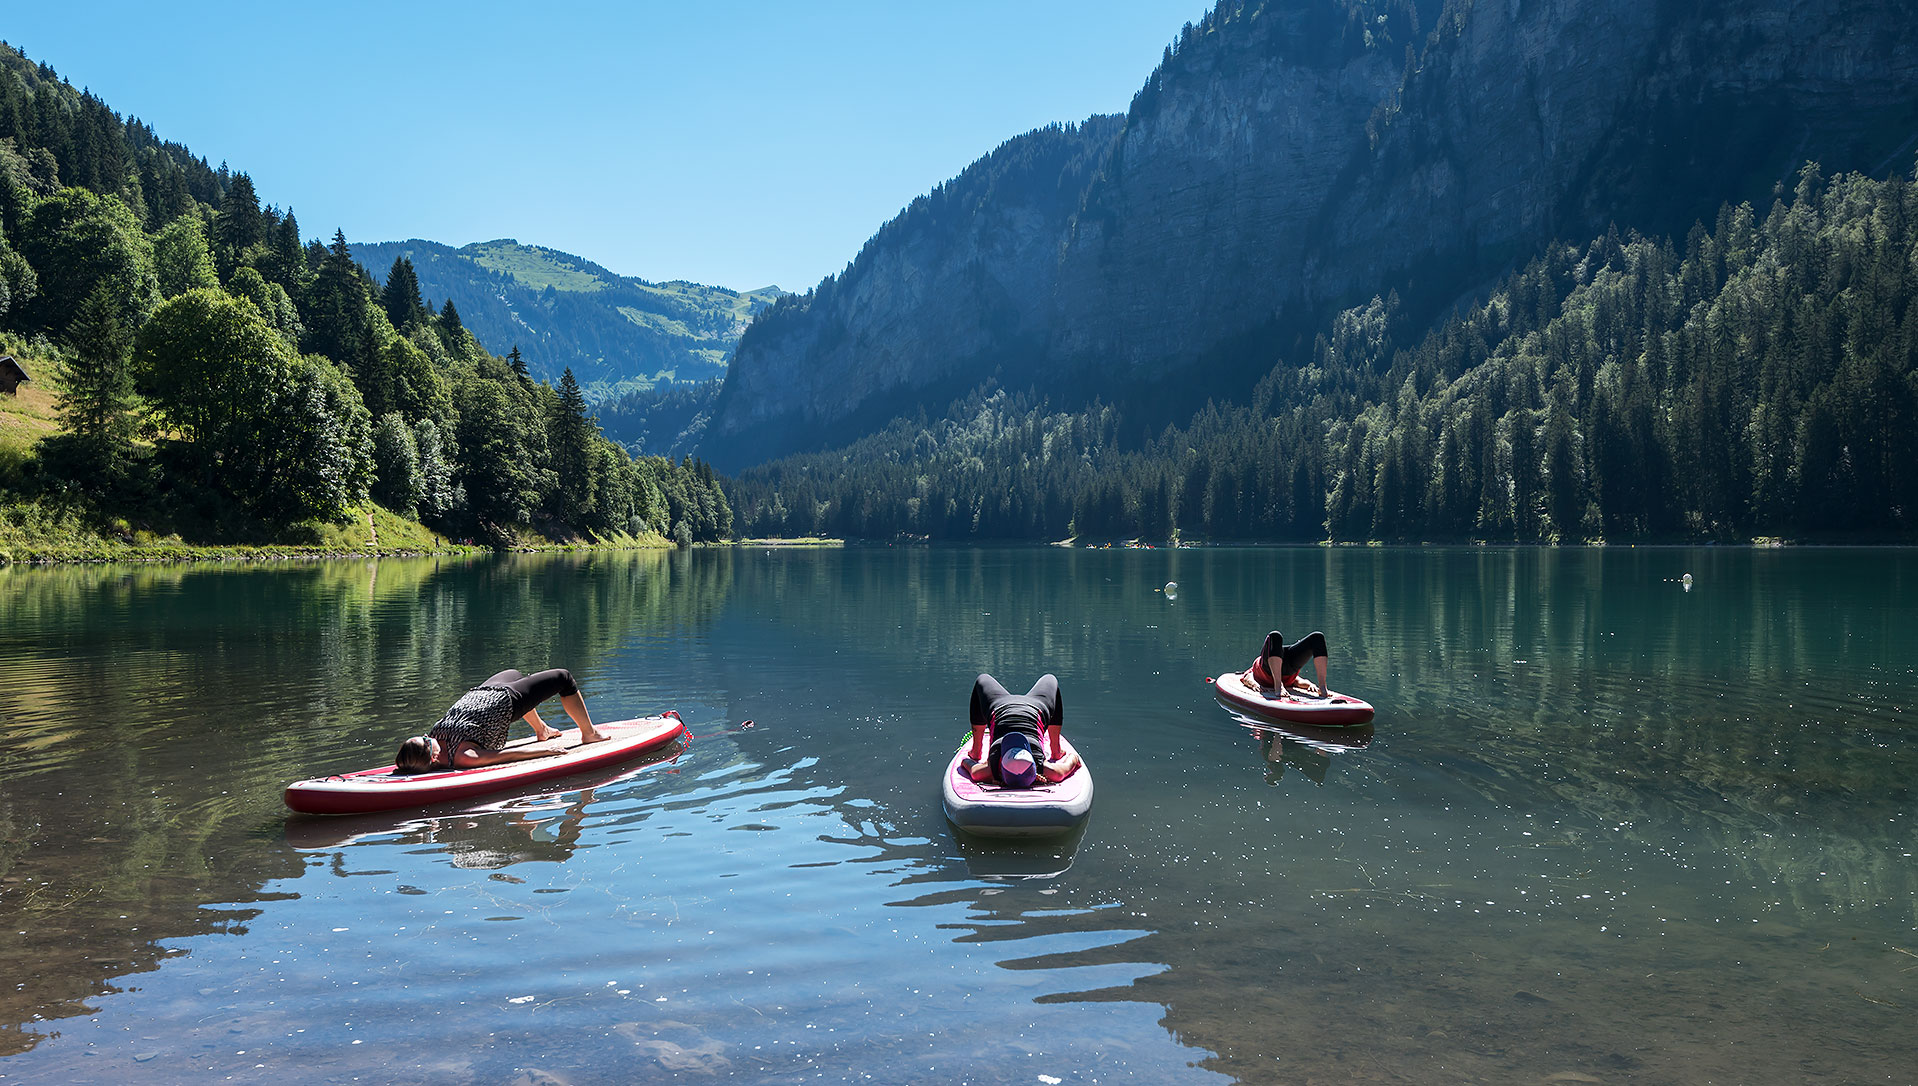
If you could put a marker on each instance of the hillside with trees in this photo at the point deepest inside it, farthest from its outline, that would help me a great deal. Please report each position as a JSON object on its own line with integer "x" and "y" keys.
{"x": 216, "y": 377}
{"x": 618, "y": 334}
{"x": 1756, "y": 378}
{"x": 1289, "y": 159}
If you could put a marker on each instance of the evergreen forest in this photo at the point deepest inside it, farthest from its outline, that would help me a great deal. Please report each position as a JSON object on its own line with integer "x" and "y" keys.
{"x": 1752, "y": 381}
{"x": 220, "y": 378}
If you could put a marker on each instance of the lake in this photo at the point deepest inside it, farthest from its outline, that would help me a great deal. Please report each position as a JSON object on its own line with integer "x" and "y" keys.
{"x": 1606, "y": 828}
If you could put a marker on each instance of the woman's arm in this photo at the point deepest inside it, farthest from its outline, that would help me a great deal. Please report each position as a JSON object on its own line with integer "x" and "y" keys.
{"x": 472, "y": 755}
{"x": 1060, "y": 770}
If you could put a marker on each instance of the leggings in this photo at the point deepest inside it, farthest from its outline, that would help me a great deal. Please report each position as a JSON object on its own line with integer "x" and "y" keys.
{"x": 530, "y": 690}
{"x": 1038, "y": 708}
{"x": 1294, "y": 656}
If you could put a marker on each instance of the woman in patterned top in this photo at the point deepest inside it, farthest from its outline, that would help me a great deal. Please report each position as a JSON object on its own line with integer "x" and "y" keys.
{"x": 473, "y": 731}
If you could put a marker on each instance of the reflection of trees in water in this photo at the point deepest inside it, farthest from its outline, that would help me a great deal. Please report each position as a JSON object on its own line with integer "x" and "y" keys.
{"x": 1585, "y": 678}
{"x": 1592, "y": 680}
{"x": 156, "y": 711}
{"x": 93, "y": 880}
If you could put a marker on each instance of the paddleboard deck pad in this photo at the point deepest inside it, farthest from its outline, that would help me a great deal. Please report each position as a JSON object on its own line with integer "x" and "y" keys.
{"x": 1238, "y": 690}
{"x": 381, "y": 789}
{"x": 986, "y": 809}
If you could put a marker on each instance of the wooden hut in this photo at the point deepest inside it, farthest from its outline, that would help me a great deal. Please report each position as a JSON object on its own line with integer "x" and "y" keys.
{"x": 11, "y": 374}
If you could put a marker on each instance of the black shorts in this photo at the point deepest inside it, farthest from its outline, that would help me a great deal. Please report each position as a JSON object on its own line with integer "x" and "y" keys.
{"x": 1296, "y": 655}
{"x": 1031, "y": 713}
{"x": 530, "y": 690}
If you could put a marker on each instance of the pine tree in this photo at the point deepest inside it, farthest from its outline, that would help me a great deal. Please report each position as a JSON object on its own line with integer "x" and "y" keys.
{"x": 286, "y": 263}
{"x": 337, "y": 311}
{"x": 401, "y": 296}
{"x": 99, "y": 380}
{"x": 239, "y": 226}
{"x": 514, "y": 360}
{"x": 571, "y": 439}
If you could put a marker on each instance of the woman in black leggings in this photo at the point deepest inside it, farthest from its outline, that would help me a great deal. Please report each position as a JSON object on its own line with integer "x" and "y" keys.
{"x": 1276, "y": 658}
{"x": 473, "y": 732}
{"x": 1015, "y": 737}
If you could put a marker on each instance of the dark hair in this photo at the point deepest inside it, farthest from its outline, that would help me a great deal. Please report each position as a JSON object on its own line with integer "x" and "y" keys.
{"x": 415, "y": 756}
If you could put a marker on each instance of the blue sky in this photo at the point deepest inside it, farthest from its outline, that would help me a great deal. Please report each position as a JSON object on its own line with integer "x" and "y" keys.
{"x": 738, "y": 144}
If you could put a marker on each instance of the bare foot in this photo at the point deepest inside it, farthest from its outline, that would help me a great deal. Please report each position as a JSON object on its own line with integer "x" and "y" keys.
{"x": 593, "y": 735}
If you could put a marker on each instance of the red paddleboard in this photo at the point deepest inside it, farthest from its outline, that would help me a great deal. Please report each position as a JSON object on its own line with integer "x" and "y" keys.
{"x": 1239, "y": 691}
{"x": 381, "y": 789}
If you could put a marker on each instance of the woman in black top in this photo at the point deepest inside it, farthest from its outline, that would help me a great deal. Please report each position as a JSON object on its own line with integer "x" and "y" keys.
{"x": 473, "y": 732}
{"x": 1024, "y": 729}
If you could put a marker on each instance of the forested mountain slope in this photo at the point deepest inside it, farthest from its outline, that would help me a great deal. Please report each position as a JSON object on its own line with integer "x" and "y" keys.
{"x": 1758, "y": 378}
{"x": 616, "y": 333}
{"x": 1289, "y": 159}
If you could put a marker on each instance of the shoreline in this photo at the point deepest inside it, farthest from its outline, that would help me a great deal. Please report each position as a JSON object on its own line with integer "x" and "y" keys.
{"x": 106, "y": 551}
{"x": 281, "y": 553}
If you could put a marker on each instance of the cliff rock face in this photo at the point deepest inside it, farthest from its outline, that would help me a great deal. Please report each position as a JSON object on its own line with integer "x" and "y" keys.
{"x": 1291, "y": 157}
{"x": 959, "y": 282}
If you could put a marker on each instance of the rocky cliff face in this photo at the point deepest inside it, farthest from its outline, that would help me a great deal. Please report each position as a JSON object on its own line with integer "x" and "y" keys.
{"x": 1291, "y": 157}
{"x": 959, "y": 283}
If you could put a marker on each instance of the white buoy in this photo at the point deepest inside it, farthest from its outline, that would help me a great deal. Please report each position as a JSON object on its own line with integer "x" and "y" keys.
{"x": 1172, "y": 590}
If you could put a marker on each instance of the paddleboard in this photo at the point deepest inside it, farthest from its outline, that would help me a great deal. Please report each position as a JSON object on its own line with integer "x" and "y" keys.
{"x": 984, "y": 808}
{"x": 381, "y": 789}
{"x": 1239, "y": 691}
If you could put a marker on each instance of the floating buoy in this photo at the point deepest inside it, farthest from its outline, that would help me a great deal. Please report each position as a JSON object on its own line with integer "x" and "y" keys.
{"x": 1172, "y": 590}
{"x": 1686, "y": 580}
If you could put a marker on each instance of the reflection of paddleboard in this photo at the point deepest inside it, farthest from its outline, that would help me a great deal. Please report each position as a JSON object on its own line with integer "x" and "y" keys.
{"x": 534, "y": 803}
{"x": 383, "y": 790}
{"x": 1015, "y": 859}
{"x": 1238, "y": 690}
{"x": 988, "y": 810}
{"x": 1331, "y": 740}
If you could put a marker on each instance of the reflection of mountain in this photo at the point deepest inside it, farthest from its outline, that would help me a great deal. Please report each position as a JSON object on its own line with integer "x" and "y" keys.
{"x": 154, "y": 713}
{"x": 1576, "y": 674}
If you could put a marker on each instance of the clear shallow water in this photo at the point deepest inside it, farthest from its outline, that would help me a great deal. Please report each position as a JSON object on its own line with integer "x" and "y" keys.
{"x": 1604, "y": 829}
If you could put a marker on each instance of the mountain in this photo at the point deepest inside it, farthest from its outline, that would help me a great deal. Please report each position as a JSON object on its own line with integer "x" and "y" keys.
{"x": 616, "y": 333}
{"x": 1289, "y": 159}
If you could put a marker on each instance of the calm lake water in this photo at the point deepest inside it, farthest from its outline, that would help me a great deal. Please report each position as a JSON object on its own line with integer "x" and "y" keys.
{"x": 1605, "y": 829}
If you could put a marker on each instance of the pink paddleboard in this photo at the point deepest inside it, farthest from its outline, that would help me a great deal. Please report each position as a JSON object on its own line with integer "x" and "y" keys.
{"x": 381, "y": 789}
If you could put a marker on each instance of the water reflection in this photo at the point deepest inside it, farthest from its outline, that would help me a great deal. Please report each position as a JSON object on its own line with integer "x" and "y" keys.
{"x": 1306, "y": 749}
{"x": 166, "y": 704}
{"x": 1604, "y": 828}
{"x": 541, "y": 826}
{"x": 1010, "y": 859}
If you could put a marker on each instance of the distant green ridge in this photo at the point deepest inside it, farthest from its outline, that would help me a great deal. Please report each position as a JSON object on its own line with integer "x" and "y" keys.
{"x": 617, "y": 333}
